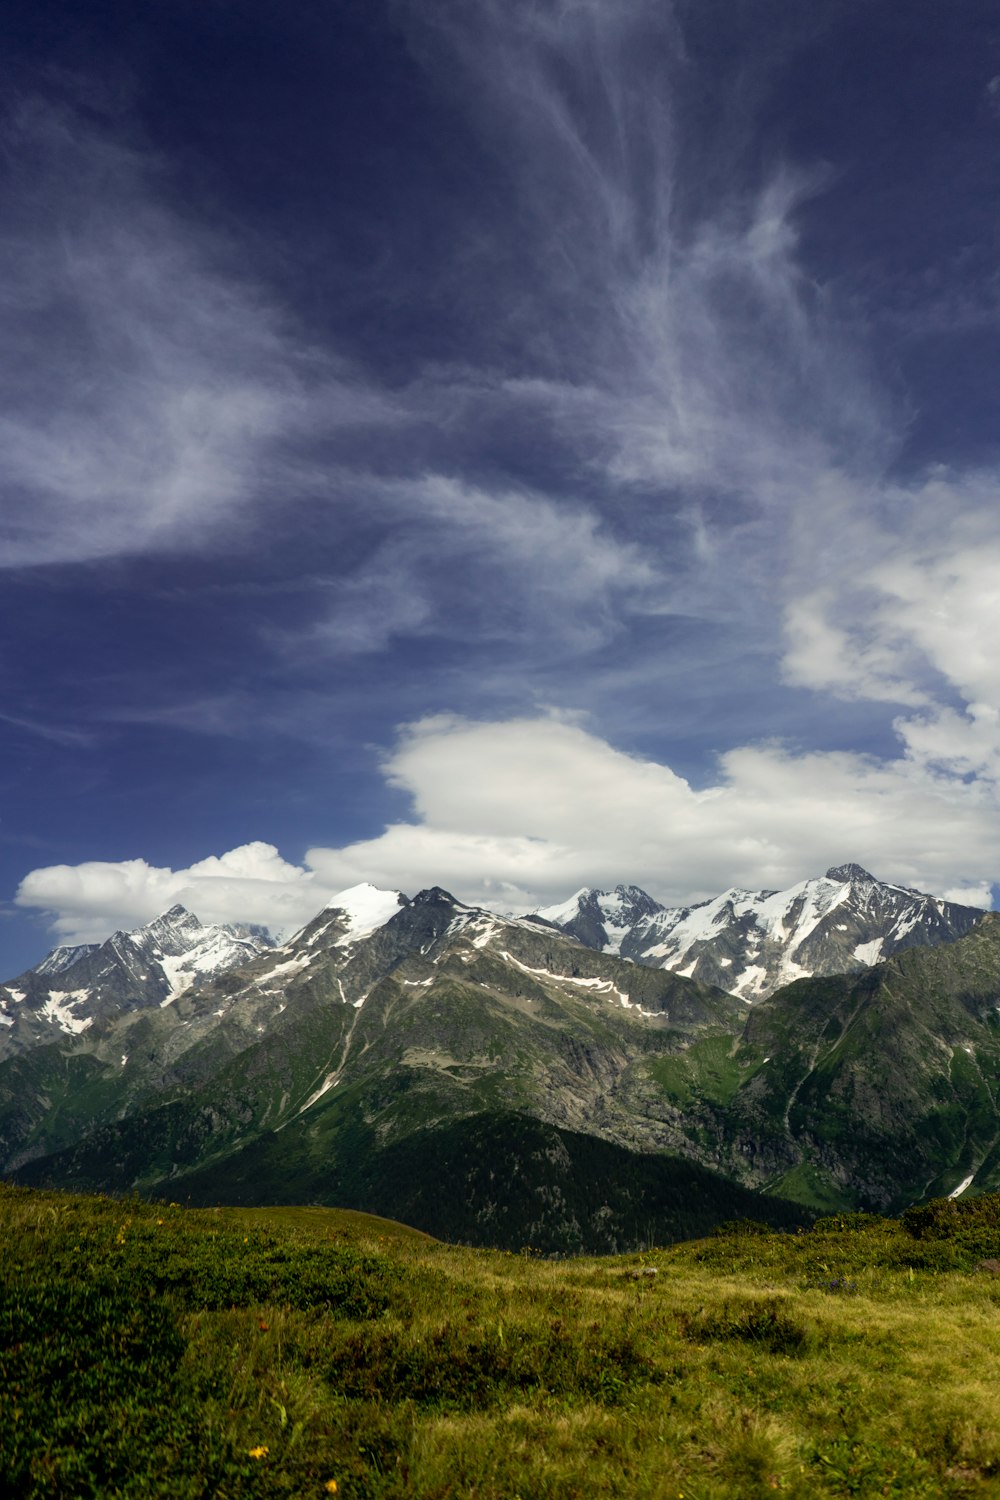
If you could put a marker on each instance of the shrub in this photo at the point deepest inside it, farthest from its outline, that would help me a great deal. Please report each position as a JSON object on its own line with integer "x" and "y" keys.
{"x": 469, "y": 1367}
{"x": 762, "y": 1321}
{"x": 91, "y": 1402}
{"x": 970, "y": 1225}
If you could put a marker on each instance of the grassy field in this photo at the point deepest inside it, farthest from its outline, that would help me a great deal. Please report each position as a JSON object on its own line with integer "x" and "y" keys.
{"x": 151, "y": 1350}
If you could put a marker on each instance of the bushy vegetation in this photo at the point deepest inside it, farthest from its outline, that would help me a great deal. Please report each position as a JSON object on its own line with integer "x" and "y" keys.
{"x": 149, "y": 1350}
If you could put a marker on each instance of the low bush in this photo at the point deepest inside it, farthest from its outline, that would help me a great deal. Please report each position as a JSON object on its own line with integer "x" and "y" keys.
{"x": 467, "y": 1367}
{"x": 970, "y": 1225}
{"x": 765, "y": 1322}
{"x": 91, "y": 1402}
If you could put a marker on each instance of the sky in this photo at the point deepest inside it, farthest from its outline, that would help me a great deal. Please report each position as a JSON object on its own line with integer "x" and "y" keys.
{"x": 509, "y": 445}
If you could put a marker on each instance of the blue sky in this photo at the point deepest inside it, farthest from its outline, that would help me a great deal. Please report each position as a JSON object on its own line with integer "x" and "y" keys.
{"x": 509, "y": 445}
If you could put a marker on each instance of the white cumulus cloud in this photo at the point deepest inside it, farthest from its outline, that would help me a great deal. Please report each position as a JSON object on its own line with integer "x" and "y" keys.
{"x": 253, "y": 883}
{"x": 527, "y": 810}
{"x": 521, "y": 812}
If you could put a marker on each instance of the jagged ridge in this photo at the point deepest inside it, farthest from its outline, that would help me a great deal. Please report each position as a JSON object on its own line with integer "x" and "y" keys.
{"x": 752, "y": 942}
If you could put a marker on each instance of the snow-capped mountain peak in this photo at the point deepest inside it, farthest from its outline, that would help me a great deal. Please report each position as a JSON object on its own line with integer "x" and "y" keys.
{"x": 74, "y": 987}
{"x": 601, "y": 919}
{"x": 348, "y": 917}
{"x": 752, "y": 942}
{"x": 62, "y": 957}
{"x": 362, "y": 908}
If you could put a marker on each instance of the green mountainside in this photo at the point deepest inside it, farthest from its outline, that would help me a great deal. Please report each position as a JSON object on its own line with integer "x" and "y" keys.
{"x": 495, "y": 1081}
{"x": 872, "y": 1090}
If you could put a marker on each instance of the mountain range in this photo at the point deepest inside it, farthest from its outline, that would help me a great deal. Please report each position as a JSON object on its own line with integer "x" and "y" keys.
{"x": 568, "y": 1079}
{"x": 752, "y": 942}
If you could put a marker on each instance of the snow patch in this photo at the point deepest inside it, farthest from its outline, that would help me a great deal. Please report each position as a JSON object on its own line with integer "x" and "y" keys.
{"x": 482, "y": 938}
{"x": 58, "y": 1009}
{"x": 290, "y": 966}
{"x": 750, "y": 982}
{"x": 329, "y": 1082}
{"x": 962, "y": 1187}
{"x": 365, "y": 908}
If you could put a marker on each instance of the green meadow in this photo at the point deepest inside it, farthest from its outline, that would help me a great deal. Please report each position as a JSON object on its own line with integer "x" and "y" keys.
{"x": 153, "y": 1350}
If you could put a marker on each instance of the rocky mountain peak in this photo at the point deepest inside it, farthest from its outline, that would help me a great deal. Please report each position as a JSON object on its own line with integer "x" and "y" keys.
{"x": 856, "y": 874}
{"x": 636, "y": 901}
{"x": 753, "y": 942}
{"x": 435, "y": 895}
{"x": 75, "y": 989}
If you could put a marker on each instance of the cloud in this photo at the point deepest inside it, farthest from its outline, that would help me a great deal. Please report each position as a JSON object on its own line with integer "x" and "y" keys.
{"x": 151, "y": 384}
{"x": 665, "y": 347}
{"x": 915, "y": 624}
{"x": 661, "y": 355}
{"x": 504, "y": 565}
{"x": 86, "y": 902}
{"x": 677, "y": 337}
{"x": 521, "y": 812}
{"x": 525, "y": 811}
{"x": 56, "y": 734}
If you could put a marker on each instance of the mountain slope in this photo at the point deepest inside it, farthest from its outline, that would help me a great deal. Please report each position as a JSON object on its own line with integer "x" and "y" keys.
{"x": 352, "y": 1059}
{"x": 751, "y": 943}
{"x": 499, "y": 1179}
{"x": 871, "y": 1090}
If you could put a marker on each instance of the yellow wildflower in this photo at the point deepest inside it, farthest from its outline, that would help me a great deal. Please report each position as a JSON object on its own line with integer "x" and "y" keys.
{"x": 331, "y": 1486}
{"x": 260, "y": 1452}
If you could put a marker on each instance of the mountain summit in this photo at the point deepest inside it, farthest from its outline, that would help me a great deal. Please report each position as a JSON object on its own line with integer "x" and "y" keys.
{"x": 752, "y": 942}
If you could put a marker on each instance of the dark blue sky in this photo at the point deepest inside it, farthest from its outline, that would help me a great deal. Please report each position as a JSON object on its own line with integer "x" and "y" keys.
{"x": 508, "y": 444}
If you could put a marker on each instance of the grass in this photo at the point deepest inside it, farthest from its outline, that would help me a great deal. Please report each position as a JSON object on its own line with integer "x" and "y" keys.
{"x": 709, "y": 1068}
{"x": 149, "y": 1350}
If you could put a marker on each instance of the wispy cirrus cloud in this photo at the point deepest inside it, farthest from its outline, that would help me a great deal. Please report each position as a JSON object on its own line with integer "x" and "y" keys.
{"x": 149, "y": 386}
{"x": 503, "y": 565}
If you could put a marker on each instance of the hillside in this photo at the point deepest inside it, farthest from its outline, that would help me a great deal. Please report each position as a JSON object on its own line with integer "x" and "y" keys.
{"x": 871, "y": 1090}
{"x": 148, "y": 1350}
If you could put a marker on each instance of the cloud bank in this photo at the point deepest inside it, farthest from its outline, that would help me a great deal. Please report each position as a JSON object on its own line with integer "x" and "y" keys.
{"x": 87, "y": 902}
{"x": 520, "y": 813}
